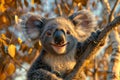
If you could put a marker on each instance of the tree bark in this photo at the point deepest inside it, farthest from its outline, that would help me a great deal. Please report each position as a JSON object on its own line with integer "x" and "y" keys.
{"x": 92, "y": 49}
{"x": 114, "y": 66}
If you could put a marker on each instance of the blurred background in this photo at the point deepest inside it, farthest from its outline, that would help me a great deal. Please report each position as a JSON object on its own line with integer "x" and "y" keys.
{"x": 17, "y": 53}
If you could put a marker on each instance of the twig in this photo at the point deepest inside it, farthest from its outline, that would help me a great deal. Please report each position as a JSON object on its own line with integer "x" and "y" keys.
{"x": 59, "y": 8}
{"x": 16, "y": 62}
{"x": 113, "y": 10}
{"x": 107, "y": 6}
{"x": 66, "y": 5}
{"x": 92, "y": 48}
{"x": 113, "y": 69}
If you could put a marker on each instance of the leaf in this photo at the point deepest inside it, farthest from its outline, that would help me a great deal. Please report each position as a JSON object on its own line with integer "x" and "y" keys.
{"x": 3, "y": 76}
{"x": 10, "y": 69}
{"x": 32, "y": 2}
{"x": 19, "y": 40}
{"x": 3, "y": 36}
{"x": 11, "y": 50}
{"x": 30, "y": 51}
{"x": 3, "y": 42}
{"x": 2, "y": 7}
{"x": 4, "y": 19}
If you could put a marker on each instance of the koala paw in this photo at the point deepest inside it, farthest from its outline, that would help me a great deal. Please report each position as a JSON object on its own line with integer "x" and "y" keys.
{"x": 94, "y": 36}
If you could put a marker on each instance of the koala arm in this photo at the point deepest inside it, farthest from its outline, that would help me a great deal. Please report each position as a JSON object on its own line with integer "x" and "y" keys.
{"x": 41, "y": 71}
{"x": 42, "y": 74}
{"x": 81, "y": 46}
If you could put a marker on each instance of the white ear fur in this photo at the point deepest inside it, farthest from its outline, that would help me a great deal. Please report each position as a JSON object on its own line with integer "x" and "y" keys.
{"x": 85, "y": 23}
{"x": 31, "y": 25}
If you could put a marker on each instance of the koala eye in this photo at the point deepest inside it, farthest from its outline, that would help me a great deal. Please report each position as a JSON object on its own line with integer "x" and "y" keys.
{"x": 49, "y": 33}
{"x": 68, "y": 32}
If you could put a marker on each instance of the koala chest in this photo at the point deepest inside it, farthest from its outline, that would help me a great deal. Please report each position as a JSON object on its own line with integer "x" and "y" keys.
{"x": 61, "y": 64}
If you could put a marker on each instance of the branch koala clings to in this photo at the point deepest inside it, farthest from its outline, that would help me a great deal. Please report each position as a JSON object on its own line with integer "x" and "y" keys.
{"x": 63, "y": 40}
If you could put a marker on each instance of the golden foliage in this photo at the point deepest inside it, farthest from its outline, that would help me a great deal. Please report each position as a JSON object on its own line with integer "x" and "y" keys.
{"x": 2, "y": 7}
{"x": 4, "y": 20}
{"x": 32, "y": 2}
{"x": 19, "y": 40}
{"x": 3, "y": 36}
{"x": 11, "y": 50}
{"x": 11, "y": 10}
{"x": 3, "y": 76}
{"x": 3, "y": 42}
{"x": 30, "y": 51}
{"x": 10, "y": 69}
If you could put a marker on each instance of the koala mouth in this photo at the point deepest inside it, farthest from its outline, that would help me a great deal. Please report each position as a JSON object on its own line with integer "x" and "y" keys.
{"x": 60, "y": 45}
{"x": 59, "y": 48}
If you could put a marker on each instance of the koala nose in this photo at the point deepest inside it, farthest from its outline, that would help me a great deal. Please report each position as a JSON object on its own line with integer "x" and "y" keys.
{"x": 59, "y": 37}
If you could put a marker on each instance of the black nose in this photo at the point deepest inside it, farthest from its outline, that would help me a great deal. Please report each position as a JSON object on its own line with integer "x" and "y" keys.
{"x": 59, "y": 37}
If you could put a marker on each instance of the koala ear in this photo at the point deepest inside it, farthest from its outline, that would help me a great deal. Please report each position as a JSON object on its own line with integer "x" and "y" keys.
{"x": 32, "y": 25}
{"x": 84, "y": 22}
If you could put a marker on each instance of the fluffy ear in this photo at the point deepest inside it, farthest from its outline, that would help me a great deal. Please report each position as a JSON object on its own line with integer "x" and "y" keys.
{"x": 84, "y": 22}
{"x": 32, "y": 25}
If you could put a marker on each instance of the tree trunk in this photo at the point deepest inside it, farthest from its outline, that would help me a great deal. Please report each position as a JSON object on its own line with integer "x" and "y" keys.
{"x": 114, "y": 66}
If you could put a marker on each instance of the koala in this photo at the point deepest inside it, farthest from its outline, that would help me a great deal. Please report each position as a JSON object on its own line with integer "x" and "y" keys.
{"x": 63, "y": 41}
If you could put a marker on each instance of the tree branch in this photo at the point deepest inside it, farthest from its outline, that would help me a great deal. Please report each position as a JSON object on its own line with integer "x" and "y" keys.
{"x": 59, "y": 8}
{"x": 113, "y": 10}
{"x": 92, "y": 49}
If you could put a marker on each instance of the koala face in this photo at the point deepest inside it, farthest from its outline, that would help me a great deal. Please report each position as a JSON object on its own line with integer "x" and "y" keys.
{"x": 58, "y": 36}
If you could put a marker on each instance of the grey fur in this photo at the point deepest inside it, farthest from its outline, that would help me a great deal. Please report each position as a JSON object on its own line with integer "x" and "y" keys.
{"x": 55, "y": 62}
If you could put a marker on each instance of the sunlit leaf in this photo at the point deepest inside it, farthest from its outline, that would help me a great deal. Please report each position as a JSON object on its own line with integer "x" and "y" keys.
{"x": 3, "y": 36}
{"x": 10, "y": 68}
{"x": 2, "y": 1}
{"x": 2, "y": 76}
{"x": 19, "y": 40}
{"x": 30, "y": 51}
{"x": 4, "y": 19}
{"x": 32, "y": 2}
{"x": 11, "y": 50}
{"x": 3, "y": 42}
{"x": 79, "y": 6}
{"x": 2, "y": 7}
